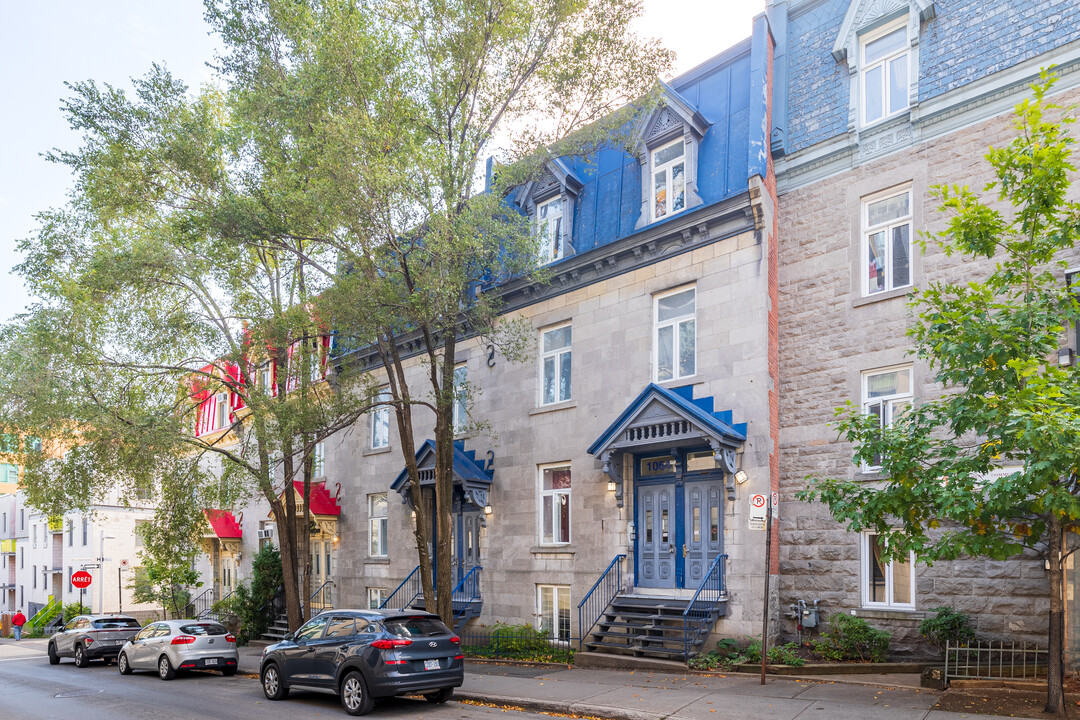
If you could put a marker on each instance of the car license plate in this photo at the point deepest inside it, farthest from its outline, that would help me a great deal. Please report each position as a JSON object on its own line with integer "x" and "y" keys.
{"x": 431, "y": 664}
{"x": 210, "y": 661}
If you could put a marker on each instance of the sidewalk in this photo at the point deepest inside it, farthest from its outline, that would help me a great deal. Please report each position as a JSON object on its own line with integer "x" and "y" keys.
{"x": 638, "y": 695}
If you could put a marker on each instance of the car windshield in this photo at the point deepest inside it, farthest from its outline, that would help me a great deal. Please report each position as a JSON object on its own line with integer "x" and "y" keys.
{"x": 415, "y": 627}
{"x": 203, "y": 629}
{"x": 116, "y": 624}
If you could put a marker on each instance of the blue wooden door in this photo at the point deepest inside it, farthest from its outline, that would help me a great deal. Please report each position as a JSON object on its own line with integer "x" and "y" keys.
{"x": 702, "y": 528}
{"x": 656, "y": 537}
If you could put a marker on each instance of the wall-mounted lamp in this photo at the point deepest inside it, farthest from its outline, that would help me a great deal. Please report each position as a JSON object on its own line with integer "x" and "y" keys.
{"x": 1065, "y": 356}
{"x": 487, "y": 510}
{"x": 611, "y": 486}
{"x": 335, "y": 539}
{"x": 414, "y": 514}
{"x": 741, "y": 477}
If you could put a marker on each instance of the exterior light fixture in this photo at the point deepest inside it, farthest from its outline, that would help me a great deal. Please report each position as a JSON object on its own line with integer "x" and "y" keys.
{"x": 611, "y": 486}
{"x": 335, "y": 539}
{"x": 414, "y": 514}
{"x": 1065, "y": 356}
{"x": 741, "y": 477}
{"x": 487, "y": 510}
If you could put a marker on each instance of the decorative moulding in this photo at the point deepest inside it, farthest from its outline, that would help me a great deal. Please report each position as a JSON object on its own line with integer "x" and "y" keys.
{"x": 863, "y": 13}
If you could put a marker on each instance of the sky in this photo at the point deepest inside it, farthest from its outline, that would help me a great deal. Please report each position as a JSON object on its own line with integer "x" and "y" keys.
{"x": 45, "y": 43}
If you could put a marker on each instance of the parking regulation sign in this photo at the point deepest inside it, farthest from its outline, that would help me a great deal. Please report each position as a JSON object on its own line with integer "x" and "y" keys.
{"x": 758, "y": 509}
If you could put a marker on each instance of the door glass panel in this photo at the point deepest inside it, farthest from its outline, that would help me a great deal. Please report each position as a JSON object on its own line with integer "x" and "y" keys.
{"x": 664, "y": 526}
{"x": 714, "y": 524}
{"x": 695, "y": 525}
{"x": 648, "y": 527}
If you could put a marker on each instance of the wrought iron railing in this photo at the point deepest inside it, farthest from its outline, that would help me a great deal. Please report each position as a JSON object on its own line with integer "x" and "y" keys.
{"x": 406, "y": 592}
{"x": 466, "y": 592}
{"x": 700, "y": 611}
{"x": 201, "y": 604}
{"x": 991, "y": 660}
{"x": 321, "y": 599}
{"x": 218, "y": 609}
{"x": 594, "y": 603}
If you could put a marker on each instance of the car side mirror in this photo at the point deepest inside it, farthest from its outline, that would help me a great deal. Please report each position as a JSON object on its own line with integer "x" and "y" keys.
{"x": 289, "y": 637}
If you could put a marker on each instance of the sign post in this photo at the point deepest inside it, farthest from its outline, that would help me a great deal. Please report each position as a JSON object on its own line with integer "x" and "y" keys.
{"x": 765, "y": 604}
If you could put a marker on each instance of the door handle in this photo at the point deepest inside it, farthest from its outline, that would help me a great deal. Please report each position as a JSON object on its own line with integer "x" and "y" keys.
{"x": 671, "y": 549}
{"x": 684, "y": 550}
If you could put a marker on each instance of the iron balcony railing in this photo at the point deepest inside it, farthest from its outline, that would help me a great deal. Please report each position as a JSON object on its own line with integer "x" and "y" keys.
{"x": 595, "y": 602}
{"x": 200, "y": 605}
{"x": 405, "y": 593}
{"x": 702, "y": 608}
{"x": 992, "y": 660}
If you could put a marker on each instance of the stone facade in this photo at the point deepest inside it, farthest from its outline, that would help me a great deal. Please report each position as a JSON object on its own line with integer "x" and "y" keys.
{"x": 830, "y": 333}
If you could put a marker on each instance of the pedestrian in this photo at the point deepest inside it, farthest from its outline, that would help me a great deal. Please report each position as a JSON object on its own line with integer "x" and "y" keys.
{"x": 17, "y": 622}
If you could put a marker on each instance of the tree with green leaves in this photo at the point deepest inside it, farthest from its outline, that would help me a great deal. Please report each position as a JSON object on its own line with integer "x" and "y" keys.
{"x": 391, "y": 107}
{"x": 991, "y": 466}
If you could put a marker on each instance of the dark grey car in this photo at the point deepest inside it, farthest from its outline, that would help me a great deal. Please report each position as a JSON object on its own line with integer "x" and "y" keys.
{"x": 364, "y": 654}
{"x": 87, "y": 637}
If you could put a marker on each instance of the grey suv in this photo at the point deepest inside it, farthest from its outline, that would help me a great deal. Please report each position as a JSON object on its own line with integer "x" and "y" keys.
{"x": 364, "y": 654}
{"x": 88, "y": 637}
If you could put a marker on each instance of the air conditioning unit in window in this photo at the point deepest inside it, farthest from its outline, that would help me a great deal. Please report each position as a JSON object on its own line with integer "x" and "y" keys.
{"x": 268, "y": 533}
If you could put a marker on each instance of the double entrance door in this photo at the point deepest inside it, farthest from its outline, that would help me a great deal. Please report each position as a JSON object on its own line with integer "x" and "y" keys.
{"x": 464, "y": 533}
{"x": 680, "y": 530}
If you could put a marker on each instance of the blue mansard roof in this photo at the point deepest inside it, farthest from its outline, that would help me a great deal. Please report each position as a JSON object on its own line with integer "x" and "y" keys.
{"x": 708, "y": 424}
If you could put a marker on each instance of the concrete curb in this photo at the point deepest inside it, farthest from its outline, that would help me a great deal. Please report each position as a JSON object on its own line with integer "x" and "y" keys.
{"x": 554, "y": 706}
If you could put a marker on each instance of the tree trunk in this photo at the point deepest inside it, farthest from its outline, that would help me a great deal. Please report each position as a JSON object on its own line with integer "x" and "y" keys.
{"x": 1055, "y": 674}
{"x": 290, "y": 567}
{"x": 304, "y": 545}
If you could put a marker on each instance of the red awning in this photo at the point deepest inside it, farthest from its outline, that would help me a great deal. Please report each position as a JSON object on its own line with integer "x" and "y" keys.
{"x": 224, "y": 524}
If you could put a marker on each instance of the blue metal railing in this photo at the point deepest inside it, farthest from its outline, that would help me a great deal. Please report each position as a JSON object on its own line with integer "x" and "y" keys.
{"x": 409, "y": 590}
{"x": 700, "y": 611}
{"x": 321, "y": 599}
{"x": 594, "y": 603}
{"x": 466, "y": 592}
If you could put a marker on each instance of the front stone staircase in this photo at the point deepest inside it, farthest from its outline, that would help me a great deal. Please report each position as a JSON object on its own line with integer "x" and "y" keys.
{"x": 648, "y": 626}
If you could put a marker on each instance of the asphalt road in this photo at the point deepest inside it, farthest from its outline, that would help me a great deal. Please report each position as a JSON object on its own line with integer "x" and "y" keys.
{"x": 31, "y": 689}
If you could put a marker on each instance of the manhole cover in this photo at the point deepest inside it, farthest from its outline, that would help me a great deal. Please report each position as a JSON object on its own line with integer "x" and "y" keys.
{"x": 77, "y": 693}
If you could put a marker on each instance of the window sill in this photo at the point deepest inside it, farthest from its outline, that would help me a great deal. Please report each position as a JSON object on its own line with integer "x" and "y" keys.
{"x": 377, "y": 561}
{"x": 376, "y": 451}
{"x": 554, "y": 407}
{"x": 552, "y": 550}
{"x": 889, "y": 613}
{"x": 679, "y": 382}
{"x": 878, "y": 297}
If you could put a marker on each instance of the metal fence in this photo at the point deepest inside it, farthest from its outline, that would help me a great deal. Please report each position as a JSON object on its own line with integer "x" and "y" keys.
{"x": 518, "y": 642}
{"x": 995, "y": 660}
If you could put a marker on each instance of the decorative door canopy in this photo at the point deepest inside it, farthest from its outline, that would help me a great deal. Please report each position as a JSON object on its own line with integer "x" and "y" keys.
{"x": 474, "y": 478}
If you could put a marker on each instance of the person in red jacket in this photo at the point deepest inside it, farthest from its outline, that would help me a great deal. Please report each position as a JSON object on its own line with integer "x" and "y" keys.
{"x": 17, "y": 622}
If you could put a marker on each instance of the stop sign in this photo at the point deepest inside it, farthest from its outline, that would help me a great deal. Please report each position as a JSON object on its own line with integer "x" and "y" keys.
{"x": 81, "y": 579}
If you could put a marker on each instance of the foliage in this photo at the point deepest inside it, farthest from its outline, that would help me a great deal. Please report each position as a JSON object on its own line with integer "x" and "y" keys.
{"x": 947, "y": 626}
{"x": 516, "y": 642}
{"x": 249, "y": 603}
{"x": 729, "y": 653}
{"x": 988, "y": 467}
{"x": 73, "y": 610}
{"x": 852, "y": 638}
{"x": 785, "y": 655}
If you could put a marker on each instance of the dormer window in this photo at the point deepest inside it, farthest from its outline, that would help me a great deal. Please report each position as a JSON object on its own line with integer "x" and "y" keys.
{"x": 883, "y": 69}
{"x": 221, "y": 408}
{"x": 549, "y": 228}
{"x": 669, "y": 179}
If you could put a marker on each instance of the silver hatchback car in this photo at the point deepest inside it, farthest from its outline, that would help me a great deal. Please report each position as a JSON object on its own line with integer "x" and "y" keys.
{"x": 170, "y": 646}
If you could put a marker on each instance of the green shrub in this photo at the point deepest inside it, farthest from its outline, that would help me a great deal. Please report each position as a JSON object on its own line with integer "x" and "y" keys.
{"x": 518, "y": 642}
{"x": 74, "y": 609}
{"x": 785, "y": 655}
{"x": 852, "y": 638}
{"x": 948, "y": 626}
{"x": 728, "y": 654}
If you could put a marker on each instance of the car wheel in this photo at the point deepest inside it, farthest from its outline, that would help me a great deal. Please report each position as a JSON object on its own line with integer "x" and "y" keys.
{"x": 440, "y": 696}
{"x": 273, "y": 687}
{"x": 354, "y": 694}
{"x": 165, "y": 669}
{"x": 228, "y": 672}
{"x": 54, "y": 659}
{"x": 122, "y": 664}
{"x": 80, "y": 657}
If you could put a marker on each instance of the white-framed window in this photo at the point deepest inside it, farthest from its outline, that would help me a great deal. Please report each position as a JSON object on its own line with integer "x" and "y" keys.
{"x": 555, "y": 505}
{"x": 884, "y": 62}
{"x": 885, "y": 394}
{"x": 675, "y": 334}
{"x": 380, "y": 422}
{"x": 461, "y": 409}
{"x": 33, "y": 575}
{"x": 375, "y": 597}
{"x": 555, "y": 355}
{"x": 85, "y": 530}
{"x": 886, "y": 584}
{"x": 549, "y": 229}
{"x": 553, "y": 611}
{"x": 377, "y": 525}
{"x": 315, "y": 362}
{"x": 266, "y": 378}
{"x": 668, "y": 172}
{"x": 886, "y": 221}
{"x": 71, "y": 588}
{"x": 71, "y": 533}
{"x": 221, "y": 410}
{"x": 318, "y": 460}
{"x": 140, "y": 532}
